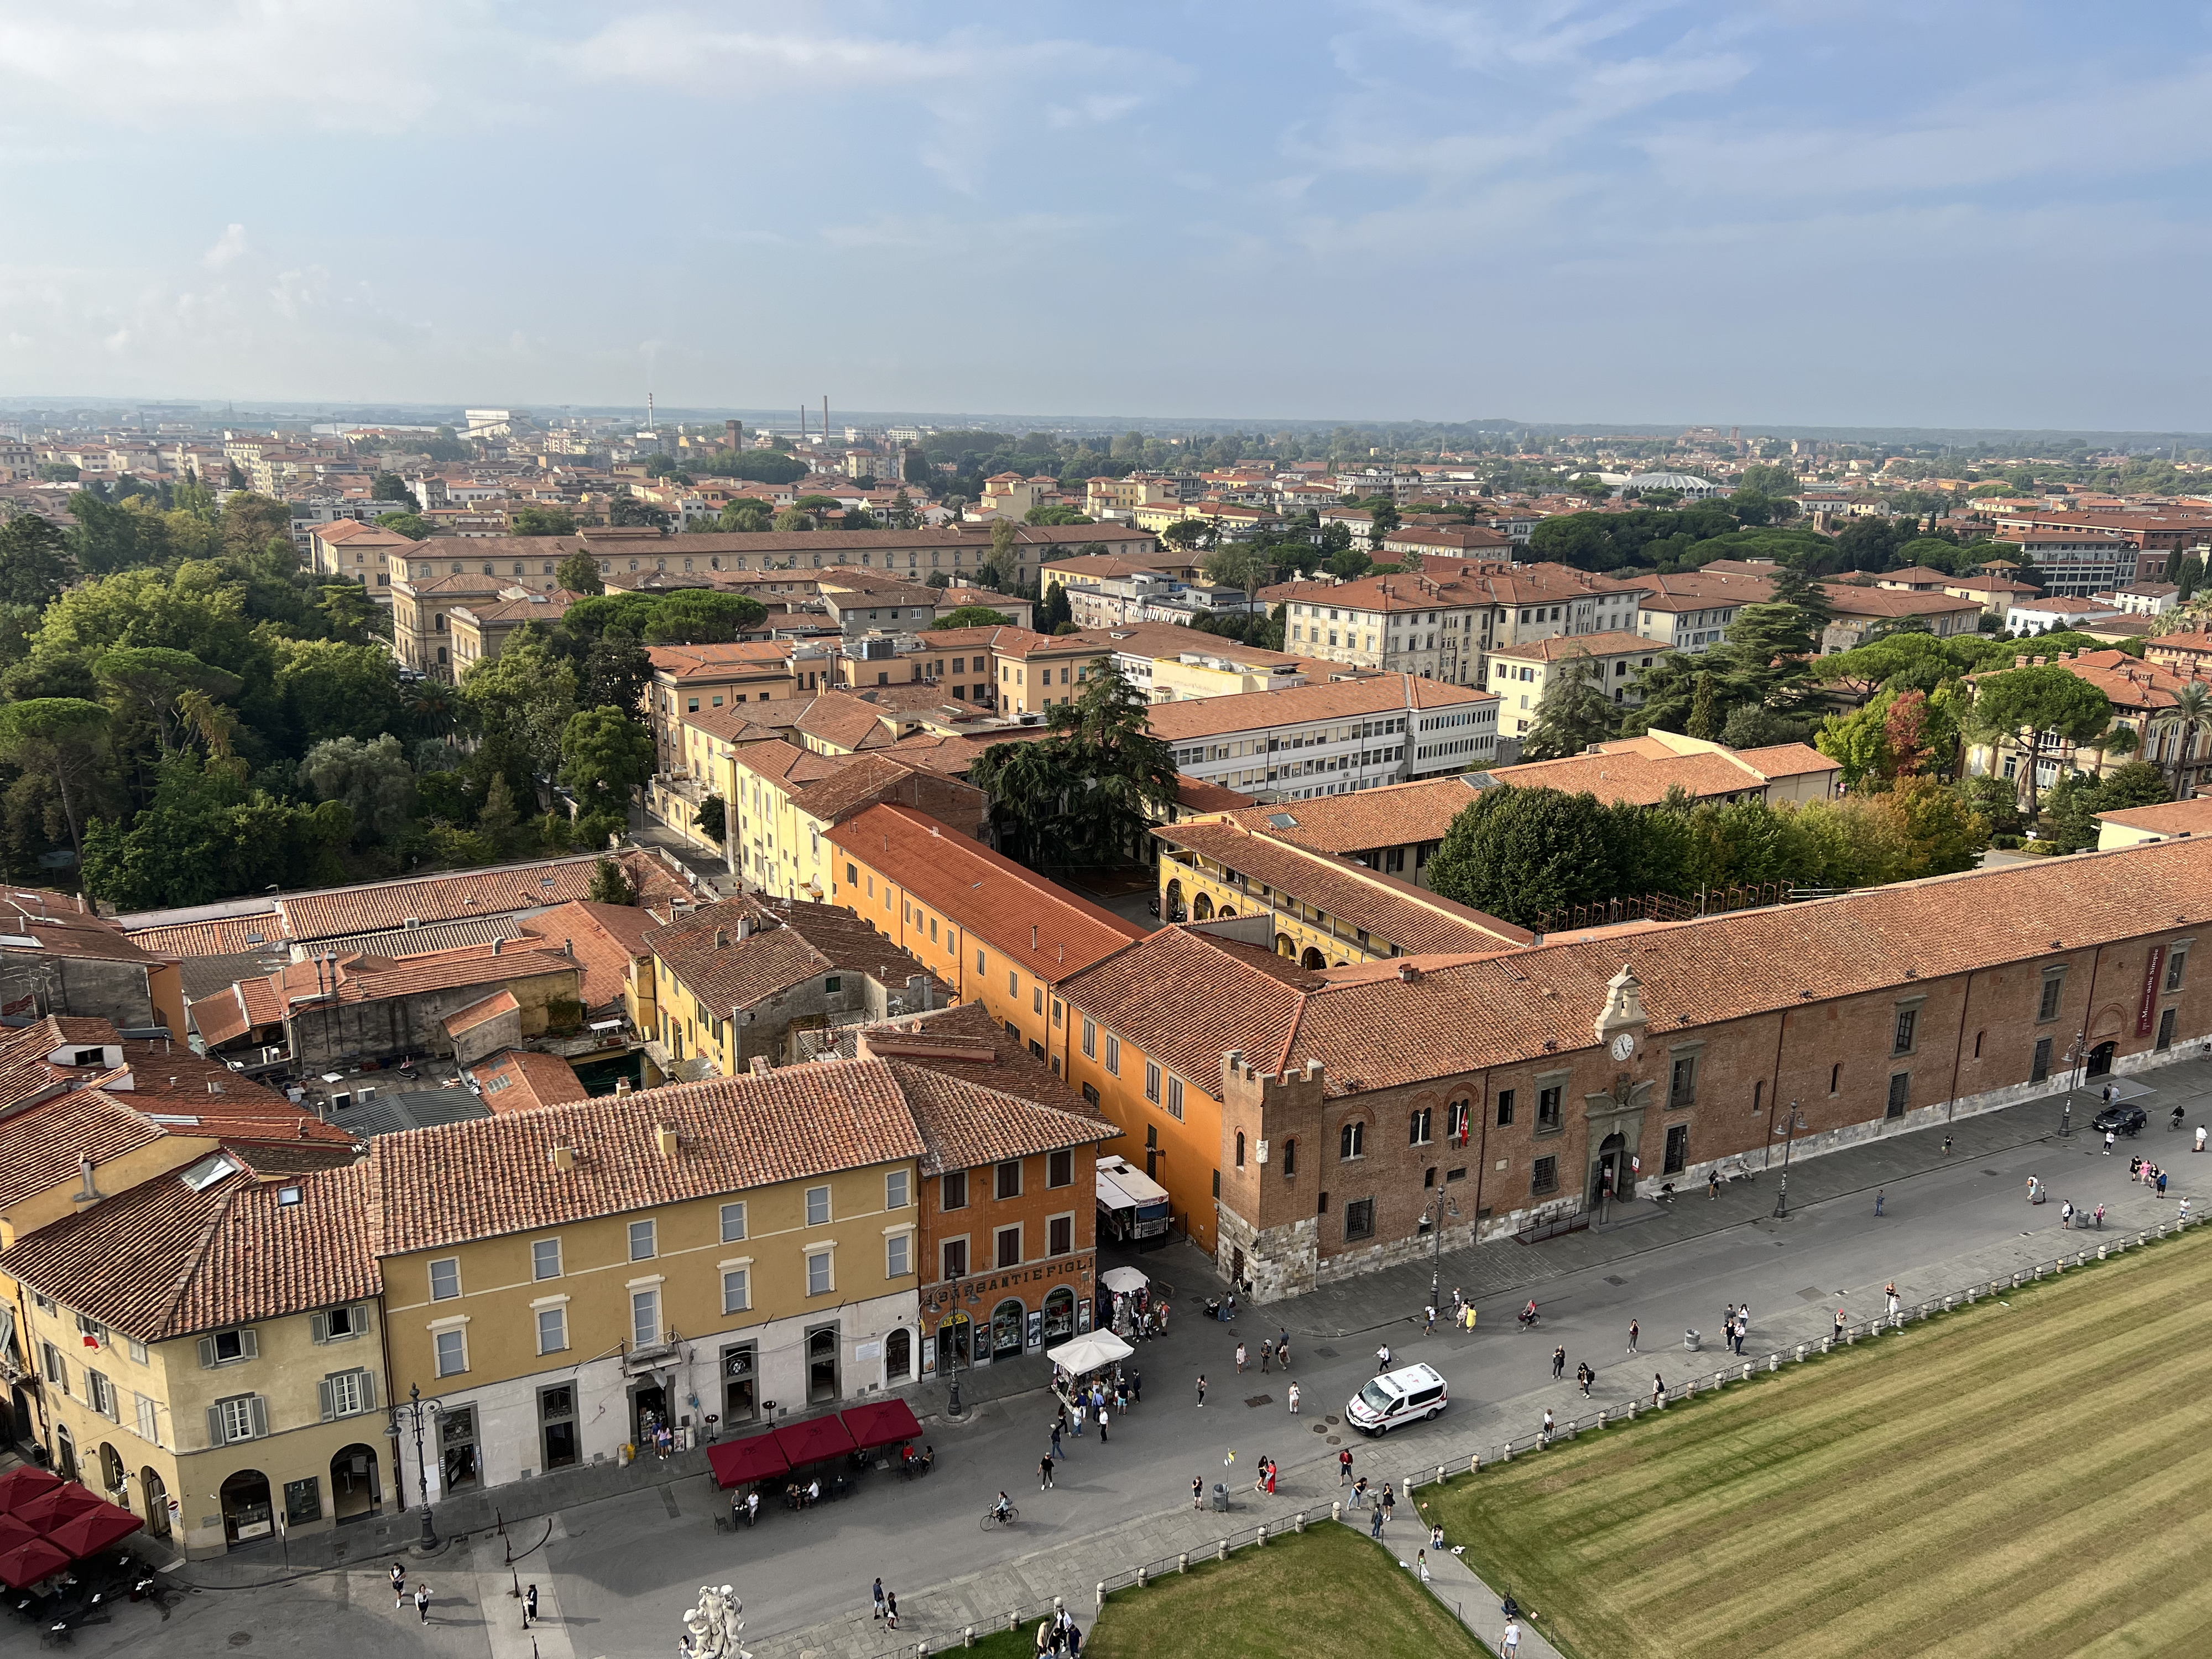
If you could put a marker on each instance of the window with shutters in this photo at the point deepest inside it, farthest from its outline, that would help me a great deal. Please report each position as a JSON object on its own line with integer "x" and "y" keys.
{"x": 1151, "y": 1083}
{"x": 1060, "y": 1169}
{"x": 1174, "y": 1098}
{"x": 953, "y": 1190}
{"x": 2054, "y": 989}
{"x": 228, "y": 1348}
{"x": 1089, "y": 1039}
{"x": 545, "y": 1258}
{"x": 1010, "y": 1178}
{"x": 1008, "y": 1241}
{"x": 150, "y": 1419}
{"x": 1060, "y": 1234}
{"x": 338, "y": 1324}
{"x": 241, "y": 1417}
{"x": 2177, "y": 966}
{"x": 102, "y": 1393}
{"x": 345, "y": 1394}
{"x": 1900, "y": 1093}
{"x": 50, "y": 1363}
{"x": 1113, "y": 1055}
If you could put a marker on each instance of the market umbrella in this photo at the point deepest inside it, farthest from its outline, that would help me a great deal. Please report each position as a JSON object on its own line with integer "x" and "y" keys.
{"x": 814, "y": 1441}
{"x": 13, "y": 1532}
{"x": 19, "y": 1486}
{"x": 882, "y": 1423}
{"x": 739, "y": 1462}
{"x": 24, "y": 1565}
{"x": 48, "y": 1510}
{"x": 1088, "y": 1353}
{"x": 94, "y": 1531}
{"x": 1127, "y": 1280}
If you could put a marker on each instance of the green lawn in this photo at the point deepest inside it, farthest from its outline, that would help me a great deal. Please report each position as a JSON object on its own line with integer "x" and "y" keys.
{"x": 1327, "y": 1594}
{"x": 2025, "y": 1478}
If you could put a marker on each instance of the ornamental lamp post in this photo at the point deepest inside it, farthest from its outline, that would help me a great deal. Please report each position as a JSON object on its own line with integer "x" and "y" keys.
{"x": 1789, "y": 1133}
{"x": 417, "y": 1411}
{"x": 1438, "y": 1207}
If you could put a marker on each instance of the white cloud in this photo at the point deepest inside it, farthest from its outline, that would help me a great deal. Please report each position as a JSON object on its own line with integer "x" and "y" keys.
{"x": 227, "y": 247}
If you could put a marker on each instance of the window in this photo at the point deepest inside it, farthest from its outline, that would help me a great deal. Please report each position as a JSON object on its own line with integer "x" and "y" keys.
{"x": 1290, "y": 1159}
{"x": 1010, "y": 1178}
{"x": 1900, "y": 1093}
{"x": 2042, "y": 1066}
{"x": 1359, "y": 1219}
{"x": 102, "y": 1393}
{"x": 737, "y": 1290}
{"x": 1836, "y": 1077}
{"x": 453, "y": 1351}
{"x": 446, "y": 1279}
{"x": 1151, "y": 1083}
{"x": 643, "y": 1243}
{"x": 979, "y": 962}
{"x": 1089, "y": 1039}
{"x": 817, "y": 1207}
{"x": 1456, "y": 1120}
{"x": 899, "y": 1186}
{"x": 1013, "y": 983}
{"x": 1060, "y": 1169}
{"x": 1547, "y": 1107}
{"x": 1418, "y": 1133}
{"x": 1504, "y": 1108}
{"x": 2176, "y": 966}
{"x": 545, "y": 1258}
{"x": 2166, "y": 1028}
{"x": 645, "y": 1318}
{"x": 241, "y": 1417}
{"x": 1091, "y": 1093}
{"x": 1544, "y": 1175}
{"x": 820, "y": 1279}
{"x": 1060, "y": 1235}
{"x": 1678, "y": 1149}
{"x": 954, "y": 1190}
{"x": 898, "y": 1255}
{"x": 956, "y": 1258}
{"x": 553, "y": 1328}
{"x": 2054, "y": 986}
{"x": 149, "y": 1420}
{"x": 734, "y": 1222}
{"x": 1907, "y": 1019}
{"x": 346, "y": 1394}
{"x": 1113, "y": 1055}
{"x": 1682, "y": 1082}
{"x": 1174, "y": 1098}
{"x": 1351, "y": 1140}
{"x": 1006, "y": 1244}
{"x": 230, "y": 1347}
{"x": 836, "y": 982}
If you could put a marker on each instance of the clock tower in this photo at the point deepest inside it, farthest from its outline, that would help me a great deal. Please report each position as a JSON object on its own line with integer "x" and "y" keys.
{"x": 1613, "y": 1135}
{"x": 1622, "y": 1016}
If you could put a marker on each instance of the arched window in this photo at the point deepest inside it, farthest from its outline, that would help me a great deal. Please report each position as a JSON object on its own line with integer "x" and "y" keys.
{"x": 1458, "y": 1120}
{"x": 1240, "y": 1149}
{"x": 1835, "y": 1077}
{"x": 1417, "y": 1133}
{"x": 1351, "y": 1140}
{"x": 1290, "y": 1159}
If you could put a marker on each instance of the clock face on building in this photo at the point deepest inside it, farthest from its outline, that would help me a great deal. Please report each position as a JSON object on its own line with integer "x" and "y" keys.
{"x": 1622, "y": 1046}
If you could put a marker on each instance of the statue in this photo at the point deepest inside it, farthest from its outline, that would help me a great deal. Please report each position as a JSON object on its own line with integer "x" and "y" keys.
{"x": 713, "y": 1626}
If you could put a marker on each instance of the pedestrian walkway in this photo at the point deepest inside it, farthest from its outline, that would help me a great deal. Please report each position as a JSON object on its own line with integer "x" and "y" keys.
{"x": 1456, "y": 1584}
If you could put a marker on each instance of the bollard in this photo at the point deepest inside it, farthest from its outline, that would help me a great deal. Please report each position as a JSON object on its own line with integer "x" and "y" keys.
{"x": 1441, "y": 1477}
{"x": 1474, "y": 1462}
{"x": 1221, "y": 1550}
{"x": 1182, "y": 1561}
{"x": 1102, "y": 1593}
{"x": 1141, "y": 1578}
{"x": 1601, "y": 1420}
{"x": 1259, "y": 1537}
{"x": 1773, "y": 1363}
{"x": 1850, "y": 1336}
{"x": 2039, "y": 1271}
{"x": 1947, "y": 1301}
{"x": 2015, "y": 1281}
{"x": 1505, "y": 1453}
{"x": 1335, "y": 1513}
{"x": 1632, "y": 1411}
{"x": 1801, "y": 1353}
{"x": 1571, "y": 1428}
{"x": 1013, "y": 1620}
{"x": 1298, "y": 1521}
{"x": 2100, "y": 1253}
{"x": 967, "y": 1635}
{"x": 1827, "y": 1344}
{"x": 1747, "y": 1370}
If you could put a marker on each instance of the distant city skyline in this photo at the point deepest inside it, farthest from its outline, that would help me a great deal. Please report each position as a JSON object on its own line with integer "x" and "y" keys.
{"x": 1880, "y": 217}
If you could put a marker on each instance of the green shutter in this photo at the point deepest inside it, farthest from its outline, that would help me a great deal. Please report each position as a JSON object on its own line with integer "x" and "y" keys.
{"x": 323, "y": 1397}
{"x": 214, "y": 1425}
{"x": 207, "y": 1364}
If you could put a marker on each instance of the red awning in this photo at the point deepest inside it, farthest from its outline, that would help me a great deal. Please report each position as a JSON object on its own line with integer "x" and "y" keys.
{"x": 881, "y": 1423}
{"x": 12, "y": 1533}
{"x": 812, "y": 1441}
{"x": 48, "y": 1510}
{"x": 18, "y": 1486}
{"x": 740, "y": 1462}
{"x": 24, "y": 1565}
{"x": 94, "y": 1530}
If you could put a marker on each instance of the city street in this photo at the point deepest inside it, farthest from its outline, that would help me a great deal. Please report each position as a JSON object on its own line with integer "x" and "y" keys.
{"x": 614, "y": 1576}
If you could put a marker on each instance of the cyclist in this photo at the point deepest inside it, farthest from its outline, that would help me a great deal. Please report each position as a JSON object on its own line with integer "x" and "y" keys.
{"x": 1003, "y": 1510}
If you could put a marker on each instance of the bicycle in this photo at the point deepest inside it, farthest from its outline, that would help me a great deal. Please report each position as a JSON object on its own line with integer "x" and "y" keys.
{"x": 992, "y": 1518}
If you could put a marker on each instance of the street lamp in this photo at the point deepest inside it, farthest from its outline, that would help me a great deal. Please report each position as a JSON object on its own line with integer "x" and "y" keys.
{"x": 2074, "y": 1059}
{"x": 1789, "y": 1133}
{"x": 419, "y": 1410}
{"x": 1434, "y": 1216}
{"x": 952, "y": 1406}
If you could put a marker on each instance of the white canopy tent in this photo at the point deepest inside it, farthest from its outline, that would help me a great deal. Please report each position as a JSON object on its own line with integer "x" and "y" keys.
{"x": 1127, "y": 1280}
{"x": 1089, "y": 1353}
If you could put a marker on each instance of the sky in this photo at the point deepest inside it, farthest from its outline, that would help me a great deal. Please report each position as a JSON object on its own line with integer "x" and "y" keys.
{"x": 1866, "y": 212}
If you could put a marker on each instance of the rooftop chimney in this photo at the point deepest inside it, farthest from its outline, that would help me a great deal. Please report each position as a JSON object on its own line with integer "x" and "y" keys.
{"x": 622, "y": 1086}
{"x": 761, "y": 1067}
{"x": 564, "y": 1158}
{"x": 666, "y": 1140}
{"x": 721, "y": 940}
{"x": 1408, "y": 973}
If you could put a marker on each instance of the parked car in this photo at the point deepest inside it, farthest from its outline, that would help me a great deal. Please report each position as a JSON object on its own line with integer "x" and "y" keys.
{"x": 1402, "y": 1397}
{"x": 2119, "y": 1120}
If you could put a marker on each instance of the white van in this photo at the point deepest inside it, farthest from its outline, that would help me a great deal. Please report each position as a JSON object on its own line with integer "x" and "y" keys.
{"x": 1403, "y": 1396}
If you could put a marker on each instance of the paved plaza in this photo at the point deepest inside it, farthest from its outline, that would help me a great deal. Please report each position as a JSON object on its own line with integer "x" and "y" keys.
{"x": 617, "y": 1554}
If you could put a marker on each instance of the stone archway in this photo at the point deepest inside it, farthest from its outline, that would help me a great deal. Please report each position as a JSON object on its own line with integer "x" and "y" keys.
{"x": 1286, "y": 946}
{"x": 155, "y": 1493}
{"x": 1225, "y": 911}
{"x": 1174, "y": 904}
{"x": 1202, "y": 907}
{"x": 2100, "y": 1059}
{"x": 356, "y": 1490}
{"x": 1310, "y": 957}
{"x": 247, "y": 1515}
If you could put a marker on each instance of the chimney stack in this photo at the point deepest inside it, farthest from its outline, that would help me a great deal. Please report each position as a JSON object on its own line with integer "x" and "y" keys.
{"x": 666, "y": 1140}
{"x": 564, "y": 1159}
{"x": 721, "y": 940}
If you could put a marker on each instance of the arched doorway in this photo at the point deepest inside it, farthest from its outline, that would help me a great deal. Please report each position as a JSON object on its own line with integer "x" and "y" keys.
{"x": 952, "y": 1332}
{"x": 356, "y": 1492}
{"x": 1286, "y": 946}
{"x": 65, "y": 1452}
{"x": 1226, "y": 911}
{"x": 2100, "y": 1059}
{"x": 113, "y": 1476}
{"x": 898, "y": 1356}
{"x": 1006, "y": 1330}
{"x": 1202, "y": 907}
{"x": 822, "y": 1384}
{"x": 1059, "y": 1315}
{"x": 247, "y": 1515}
{"x": 1609, "y": 1168}
{"x": 1310, "y": 957}
{"x": 1174, "y": 902}
{"x": 156, "y": 1492}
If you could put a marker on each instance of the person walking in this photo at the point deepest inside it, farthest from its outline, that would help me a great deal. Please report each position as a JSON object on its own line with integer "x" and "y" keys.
{"x": 1045, "y": 1473}
{"x": 399, "y": 1585}
{"x": 1056, "y": 1451}
{"x": 1359, "y": 1492}
{"x": 1201, "y": 1391}
{"x": 1104, "y": 1417}
{"x": 1585, "y": 1376}
{"x": 1343, "y": 1468}
{"x": 2161, "y": 1184}
{"x": 2199, "y": 1146}
{"x": 890, "y": 1608}
{"x": 1382, "y": 1359}
{"x": 530, "y": 1606}
{"x": 1197, "y": 1491}
{"x": 1421, "y": 1565}
{"x": 2183, "y": 1214}
{"x": 1294, "y": 1387}
{"x": 877, "y": 1595}
{"x": 1840, "y": 1323}
{"x": 1467, "y": 1315}
{"x": 1879, "y": 1194}
{"x": 1374, "y": 1523}
{"x": 2099, "y": 1217}
{"x": 423, "y": 1603}
{"x": 1429, "y": 1321}
{"x": 1389, "y": 1505}
{"x": 1559, "y": 1362}
{"x": 1742, "y": 1329}
{"x": 1283, "y": 1349}
{"x": 1240, "y": 1359}
{"x": 1510, "y": 1644}
{"x": 2108, "y": 1143}
{"x": 1633, "y": 1332}
{"x": 1267, "y": 1355}
{"x": 1946, "y": 1146}
{"x": 1658, "y": 1389}
{"x": 1544, "y": 1435}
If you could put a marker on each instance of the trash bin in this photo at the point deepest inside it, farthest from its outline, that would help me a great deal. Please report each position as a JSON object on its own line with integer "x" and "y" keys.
{"x": 1690, "y": 1340}
{"x": 1221, "y": 1497}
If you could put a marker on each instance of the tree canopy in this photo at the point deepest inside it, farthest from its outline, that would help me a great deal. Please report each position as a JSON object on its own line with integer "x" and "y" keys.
{"x": 1086, "y": 793}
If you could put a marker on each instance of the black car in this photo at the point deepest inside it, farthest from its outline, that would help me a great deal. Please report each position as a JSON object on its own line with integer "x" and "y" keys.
{"x": 2119, "y": 1120}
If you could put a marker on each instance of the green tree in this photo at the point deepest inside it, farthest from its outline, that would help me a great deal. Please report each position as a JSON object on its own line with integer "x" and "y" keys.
{"x": 330, "y": 688}
{"x": 35, "y": 562}
{"x": 1244, "y": 566}
{"x": 616, "y": 670}
{"x": 522, "y": 701}
{"x": 1002, "y": 569}
{"x": 977, "y": 615}
{"x": 2188, "y": 575}
{"x": 58, "y": 472}
{"x": 1088, "y": 791}
{"x": 712, "y": 818}
{"x": 542, "y": 521}
{"x": 412, "y": 526}
{"x": 208, "y": 835}
{"x": 605, "y": 756}
{"x": 1349, "y": 564}
{"x": 701, "y": 615}
{"x": 372, "y": 780}
{"x": 251, "y": 522}
{"x": 1766, "y": 480}
{"x": 580, "y": 574}
{"x": 498, "y": 822}
{"x": 611, "y": 883}
{"x": 2027, "y": 707}
{"x": 625, "y": 511}
{"x": 793, "y": 518}
{"x": 1706, "y": 717}
{"x": 1520, "y": 854}
{"x": 156, "y": 686}
{"x": 1056, "y": 512}
{"x": 2192, "y": 719}
{"x": 64, "y": 741}
{"x": 1574, "y": 711}
{"x": 1996, "y": 801}
{"x": 111, "y": 537}
{"x": 748, "y": 517}
{"x": 1052, "y": 609}
{"x": 391, "y": 486}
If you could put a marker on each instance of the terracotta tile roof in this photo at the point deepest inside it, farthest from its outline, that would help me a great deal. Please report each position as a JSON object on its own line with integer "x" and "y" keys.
{"x": 748, "y": 723}
{"x": 1197, "y": 795}
{"x": 61, "y": 926}
{"x": 2126, "y": 681}
{"x": 468, "y": 1018}
{"x": 965, "y": 1123}
{"x": 740, "y": 952}
{"x": 966, "y": 1041}
{"x": 1397, "y": 815}
{"x": 1253, "y": 711}
{"x": 2174, "y": 818}
{"x": 1846, "y": 600}
{"x": 1020, "y": 915}
{"x": 40, "y": 1144}
{"x": 1615, "y": 642}
{"x": 1389, "y": 910}
{"x": 222, "y": 936}
{"x": 523, "y": 1079}
{"x": 495, "y": 1175}
{"x": 1642, "y": 770}
{"x": 162, "y": 1260}
{"x": 1455, "y": 1017}
{"x": 1013, "y": 641}
{"x": 776, "y": 762}
{"x": 536, "y": 885}
{"x": 846, "y": 721}
{"x": 603, "y": 938}
{"x": 859, "y": 784}
{"x": 767, "y": 658}
{"x": 547, "y": 607}
{"x": 953, "y": 756}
